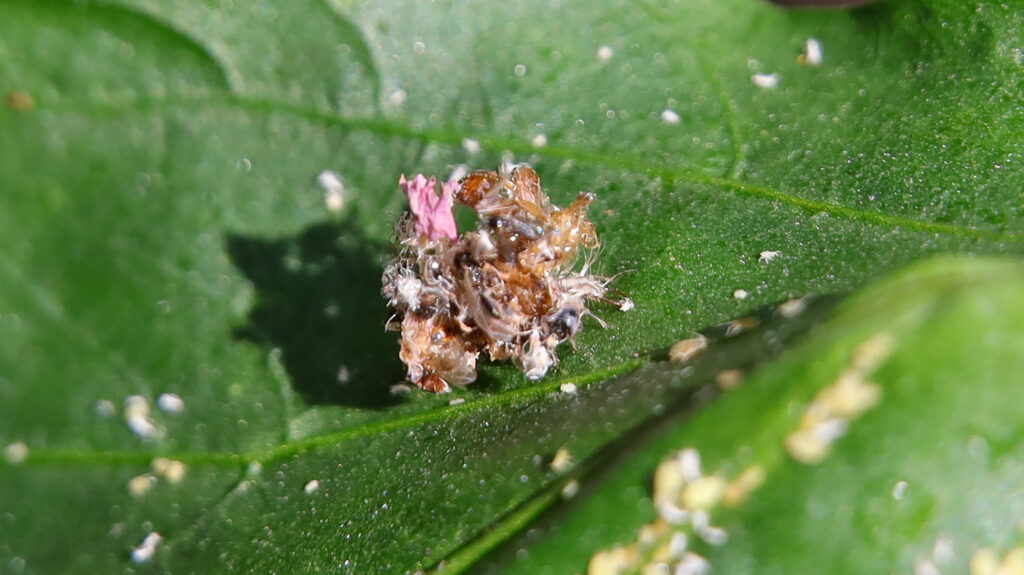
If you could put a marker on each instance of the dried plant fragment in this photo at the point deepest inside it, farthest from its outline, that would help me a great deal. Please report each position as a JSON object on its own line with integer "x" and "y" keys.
{"x": 510, "y": 288}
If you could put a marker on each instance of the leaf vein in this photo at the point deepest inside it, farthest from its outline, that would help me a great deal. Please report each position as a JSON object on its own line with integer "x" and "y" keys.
{"x": 617, "y": 160}
{"x": 57, "y": 456}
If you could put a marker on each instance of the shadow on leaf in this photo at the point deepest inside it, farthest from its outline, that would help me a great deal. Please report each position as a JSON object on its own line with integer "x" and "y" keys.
{"x": 318, "y": 300}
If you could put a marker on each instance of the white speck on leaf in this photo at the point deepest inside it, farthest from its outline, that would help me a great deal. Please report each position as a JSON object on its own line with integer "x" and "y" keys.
{"x": 171, "y": 470}
{"x": 765, "y": 81}
{"x": 136, "y": 405}
{"x": 703, "y": 492}
{"x": 670, "y": 117}
{"x": 729, "y": 379}
{"x": 942, "y": 551}
{"x": 605, "y": 53}
{"x": 312, "y": 486}
{"x": 140, "y": 485}
{"x": 792, "y": 307}
{"x": 768, "y": 255}
{"x": 16, "y": 452}
{"x": 334, "y": 190}
{"x": 562, "y": 460}
{"x": 144, "y": 552}
{"x": 144, "y": 428}
{"x": 692, "y": 564}
{"x": 813, "y": 54}
{"x": 899, "y": 490}
{"x": 570, "y": 489}
{"x": 470, "y": 145}
{"x": 715, "y": 536}
{"x": 458, "y": 172}
{"x": 170, "y": 403}
{"x": 398, "y": 98}
{"x": 741, "y": 294}
{"x": 568, "y": 388}
{"x": 104, "y": 408}
{"x": 400, "y": 389}
{"x": 687, "y": 349}
{"x": 539, "y": 141}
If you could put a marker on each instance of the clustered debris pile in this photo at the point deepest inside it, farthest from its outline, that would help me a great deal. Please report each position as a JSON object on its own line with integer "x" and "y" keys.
{"x": 508, "y": 288}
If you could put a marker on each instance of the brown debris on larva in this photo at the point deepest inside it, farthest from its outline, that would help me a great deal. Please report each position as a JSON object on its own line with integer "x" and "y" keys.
{"x": 512, "y": 287}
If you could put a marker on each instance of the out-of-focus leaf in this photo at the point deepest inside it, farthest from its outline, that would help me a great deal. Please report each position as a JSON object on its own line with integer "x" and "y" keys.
{"x": 927, "y": 477}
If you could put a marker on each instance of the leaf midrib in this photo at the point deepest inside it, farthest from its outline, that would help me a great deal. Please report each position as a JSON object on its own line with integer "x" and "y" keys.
{"x": 86, "y": 457}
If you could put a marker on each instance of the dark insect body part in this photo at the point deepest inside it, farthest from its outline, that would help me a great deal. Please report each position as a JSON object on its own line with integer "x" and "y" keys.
{"x": 510, "y": 288}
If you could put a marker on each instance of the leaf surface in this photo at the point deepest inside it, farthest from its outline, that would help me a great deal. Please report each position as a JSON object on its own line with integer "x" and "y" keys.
{"x": 163, "y": 233}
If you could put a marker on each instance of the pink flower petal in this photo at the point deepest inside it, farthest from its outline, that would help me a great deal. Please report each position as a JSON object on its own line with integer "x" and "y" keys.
{"x": 433, "y": 214}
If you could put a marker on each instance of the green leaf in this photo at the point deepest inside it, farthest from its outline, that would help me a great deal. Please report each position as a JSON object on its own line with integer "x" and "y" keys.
{"x": 935, "y": 463}
{"x": 162, "y": 232}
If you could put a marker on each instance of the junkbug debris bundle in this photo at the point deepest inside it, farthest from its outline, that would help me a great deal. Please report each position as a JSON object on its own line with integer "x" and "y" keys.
{"x": 510, "y": 287}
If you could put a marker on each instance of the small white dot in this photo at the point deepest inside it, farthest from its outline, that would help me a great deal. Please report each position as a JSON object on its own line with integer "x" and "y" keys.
{"x": 740, "y": 294}
{"x": 689, "y": 464}
{"x": 144, "y": 428}
{"x": 458, "y": 172}
{"x": 605, "y": 53}
{"x": 136, "y": 405}
{"x": 311, "y": 487}
{"x": 419, "y": 47}
{"x": 104, "y": 408}
{"x": 457, "y": 401}
{"x": 144, "y": 552}
{"x": 520, "y": 70}
{"x": 171, "y": 470}
{"x": 570, "y": 489}
{"x": 568, "y": 388}
{"x": 899, "y": 490}
{"x": 765, "y": 81}
{"x": 399, "y": 389}
{"x": 670, "y": 117}
{"x": 943, "y": 551}
{"x": 398, "y": 98}
{"x": 16, "y": 452}
{"x": 334, "y": 190}
{"x": 539, "y": 141}
{"x": 768, "y": 255}
{"x": 792, "y": 307}
{"x": 170, "y": 403}
{"x": 714, "y": 536}
{"x": 692, "y": 564}
{"x": 562, "y": 460}
{"x": 470, "y": 145}
{"x": 140, "y": 485}
{"x": 812, "y": 52}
